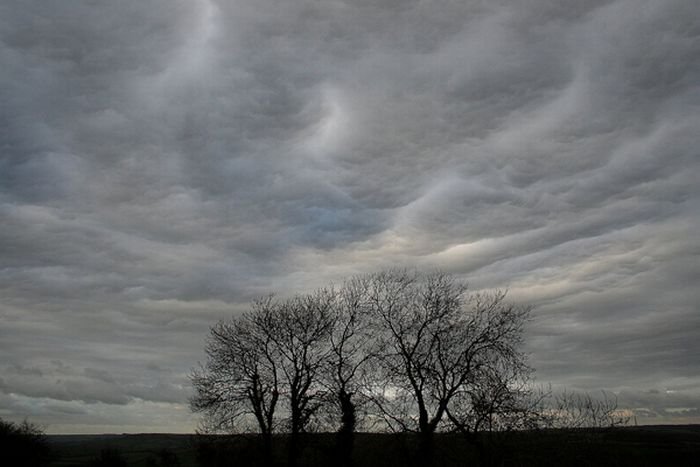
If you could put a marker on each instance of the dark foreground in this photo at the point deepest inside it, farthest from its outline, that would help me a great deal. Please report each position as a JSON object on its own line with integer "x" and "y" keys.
{"x": 638, "y": 446}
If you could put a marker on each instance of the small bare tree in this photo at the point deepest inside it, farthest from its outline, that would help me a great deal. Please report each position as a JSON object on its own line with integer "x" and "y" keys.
{"x": 497, "y": 399}
{"x": 581, "y": 410}
{"x": 495, "y": 396}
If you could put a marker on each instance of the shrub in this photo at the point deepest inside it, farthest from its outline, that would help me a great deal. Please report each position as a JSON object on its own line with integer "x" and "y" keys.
{"x": 23, "y": 444}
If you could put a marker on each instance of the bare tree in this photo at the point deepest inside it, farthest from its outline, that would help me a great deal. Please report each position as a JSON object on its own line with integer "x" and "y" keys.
{"x": 581, "y": 410}
{"x": 497, "y": 401}
{"x": 351, "y": 351}
{"x": 498, "y": 398}
{"x": 439, "y": 346}
{"x": 273, "y": 354}
{"x": 495, "y": 396}
{"x": 298, "y": 329}
{"x": 414, "y": 318}
{"x": 239, "y": 385}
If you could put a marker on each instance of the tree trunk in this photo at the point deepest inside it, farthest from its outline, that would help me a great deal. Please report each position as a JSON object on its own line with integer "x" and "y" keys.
{"x": 346, "y": 434}
{"x": 296, "y": 428}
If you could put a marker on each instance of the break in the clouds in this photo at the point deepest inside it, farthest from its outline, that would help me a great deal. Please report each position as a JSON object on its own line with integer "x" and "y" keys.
{"x": 163, "y": 162}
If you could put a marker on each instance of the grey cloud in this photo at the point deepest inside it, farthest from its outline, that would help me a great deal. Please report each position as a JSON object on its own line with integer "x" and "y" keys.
{"x": 90, "y": 391}
{"x": 90, "y": 386}
{"x": 162, "y": 163}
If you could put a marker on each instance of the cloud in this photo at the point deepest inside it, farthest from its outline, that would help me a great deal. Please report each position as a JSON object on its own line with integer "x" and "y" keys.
{"x": 165, "y": 162}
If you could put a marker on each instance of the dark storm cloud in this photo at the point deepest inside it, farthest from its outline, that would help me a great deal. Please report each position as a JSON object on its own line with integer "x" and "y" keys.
{"x": 163, "y": 162}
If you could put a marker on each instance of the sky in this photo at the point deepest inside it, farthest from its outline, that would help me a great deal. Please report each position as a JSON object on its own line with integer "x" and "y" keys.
{"x": 164, "y": 162}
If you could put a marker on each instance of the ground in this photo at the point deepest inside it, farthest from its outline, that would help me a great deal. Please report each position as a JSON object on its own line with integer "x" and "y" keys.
{"x": 638, "y": 446}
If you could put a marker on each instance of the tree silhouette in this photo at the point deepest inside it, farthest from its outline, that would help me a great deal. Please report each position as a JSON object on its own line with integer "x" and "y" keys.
{"x": 23, "y": 444}
{"x": 240, "y": 381}
{"x": 351, "y": 352}
{"x": 416, "y": 350}
{"x": 439, "y": 347}
{"x": 298, "y": 329}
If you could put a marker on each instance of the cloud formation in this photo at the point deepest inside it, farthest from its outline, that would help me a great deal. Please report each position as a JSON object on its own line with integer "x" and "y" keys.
{"x": 163, "y": 162}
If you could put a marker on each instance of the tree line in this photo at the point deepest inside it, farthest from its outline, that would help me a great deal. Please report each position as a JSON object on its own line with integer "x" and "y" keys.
{"x": 396, "y": 350}
{"x": 393, "y": 351}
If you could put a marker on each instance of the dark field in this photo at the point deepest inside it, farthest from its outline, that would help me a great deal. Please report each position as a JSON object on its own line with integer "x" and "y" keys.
{"x": 639, "y": 446}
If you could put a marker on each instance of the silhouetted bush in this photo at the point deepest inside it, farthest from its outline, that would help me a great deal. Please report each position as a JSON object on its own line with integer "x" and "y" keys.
{"x": 23, "y": 444}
